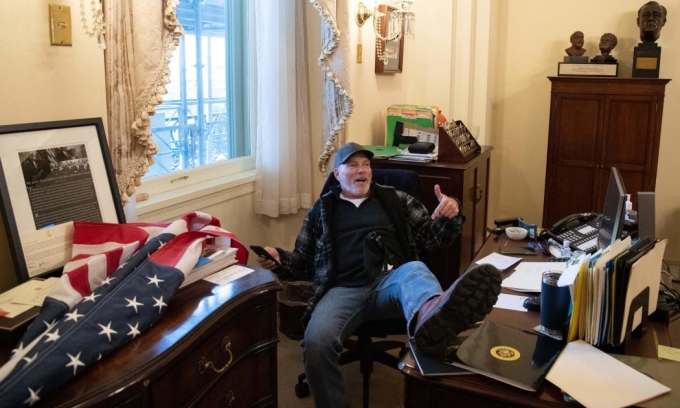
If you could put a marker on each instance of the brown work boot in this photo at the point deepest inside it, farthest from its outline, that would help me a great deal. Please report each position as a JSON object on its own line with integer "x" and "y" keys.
{"x": 467, "y": 301}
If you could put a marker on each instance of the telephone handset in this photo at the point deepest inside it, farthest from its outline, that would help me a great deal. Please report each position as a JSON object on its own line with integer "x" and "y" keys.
{"x": 572, "y": 221}
{"x": 581, "y": 230}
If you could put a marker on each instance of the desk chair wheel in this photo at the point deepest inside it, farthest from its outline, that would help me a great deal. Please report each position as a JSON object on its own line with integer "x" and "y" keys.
{"x": 302, "y": 388}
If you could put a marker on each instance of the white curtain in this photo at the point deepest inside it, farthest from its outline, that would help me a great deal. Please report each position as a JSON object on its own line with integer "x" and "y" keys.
{"x": 334, "y": 61}
{"x": 140, "y": 38}
{"x": 283, "y": 160}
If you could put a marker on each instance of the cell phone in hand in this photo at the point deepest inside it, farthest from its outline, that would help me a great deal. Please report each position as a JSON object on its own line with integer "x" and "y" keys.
{"x": 260, "y": 251}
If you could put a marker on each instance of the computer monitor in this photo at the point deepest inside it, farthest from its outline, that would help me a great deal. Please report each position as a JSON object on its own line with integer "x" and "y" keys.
{"x": 611, "y": 223}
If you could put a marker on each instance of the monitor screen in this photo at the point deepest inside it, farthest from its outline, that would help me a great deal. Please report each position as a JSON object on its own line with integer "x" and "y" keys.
{"x": 611, "y": 224}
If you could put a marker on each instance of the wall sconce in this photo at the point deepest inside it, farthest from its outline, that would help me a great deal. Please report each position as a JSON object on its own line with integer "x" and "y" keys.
{"x": 401, "y": 20}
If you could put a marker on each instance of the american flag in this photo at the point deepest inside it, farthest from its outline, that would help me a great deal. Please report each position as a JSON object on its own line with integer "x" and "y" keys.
{"x": 106, "y": 298}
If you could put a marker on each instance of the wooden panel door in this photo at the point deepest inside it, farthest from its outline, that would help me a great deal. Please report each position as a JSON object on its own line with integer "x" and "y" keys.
{"x": 573, "y": 155}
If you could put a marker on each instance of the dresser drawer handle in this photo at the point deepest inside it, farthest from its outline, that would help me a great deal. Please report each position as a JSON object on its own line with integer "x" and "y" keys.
{"x": 229, "y": 399}
{"x": 204, "y": 363}
{"x": 479, "y": 190}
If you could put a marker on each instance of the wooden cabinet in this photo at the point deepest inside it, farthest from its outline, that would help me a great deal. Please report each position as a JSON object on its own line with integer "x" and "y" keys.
{"x": 469, "y": 183}
{"x": 596, "y": 124}
{"x": 215, "y": 346}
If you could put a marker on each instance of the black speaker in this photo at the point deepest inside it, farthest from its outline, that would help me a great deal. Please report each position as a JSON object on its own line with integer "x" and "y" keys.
{"x": 646, "y": 214}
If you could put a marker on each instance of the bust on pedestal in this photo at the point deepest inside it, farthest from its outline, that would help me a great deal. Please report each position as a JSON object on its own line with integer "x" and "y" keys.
{"x": 608, "y": 42}
{"x": 647, "y": 55}
{"x": 576, "y": 51}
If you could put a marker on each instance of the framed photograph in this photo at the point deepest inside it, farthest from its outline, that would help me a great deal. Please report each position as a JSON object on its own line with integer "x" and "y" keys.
{"x": 393, "y": 50}
{"x": 52, "y": 174}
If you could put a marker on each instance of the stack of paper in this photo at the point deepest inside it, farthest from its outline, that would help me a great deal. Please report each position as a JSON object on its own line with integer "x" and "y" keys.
{"x": 613, "y": 281}
{"x": 29, "y": 294}
{"x": 415, "y": 157}
{"x": 527, "y": 275}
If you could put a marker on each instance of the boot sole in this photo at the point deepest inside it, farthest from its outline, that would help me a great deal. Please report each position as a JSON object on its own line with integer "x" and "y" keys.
{"x": 469, "y": 302}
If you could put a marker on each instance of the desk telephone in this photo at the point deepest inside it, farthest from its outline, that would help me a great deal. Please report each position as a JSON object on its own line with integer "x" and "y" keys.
{"x": 581, "y": 230}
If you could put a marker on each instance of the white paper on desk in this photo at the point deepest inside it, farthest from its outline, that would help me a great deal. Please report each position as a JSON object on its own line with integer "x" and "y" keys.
{"x": 30, "y": 293}
{"x": 527, "y": 275}
{"x": 511, "y": 302}
{"x": 595, "y": 379}
{"x": 227, "y": 275}
{"x": 499, "y": 261}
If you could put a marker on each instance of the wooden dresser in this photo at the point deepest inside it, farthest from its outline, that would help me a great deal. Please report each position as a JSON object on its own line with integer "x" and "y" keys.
{"x": 597, "y": 123}
{"x": 469, "y": 183}
{"x": 215, "y": 347}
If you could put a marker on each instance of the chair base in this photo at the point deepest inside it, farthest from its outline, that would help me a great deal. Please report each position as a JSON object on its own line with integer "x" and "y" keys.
{"x": 366, "y": 352}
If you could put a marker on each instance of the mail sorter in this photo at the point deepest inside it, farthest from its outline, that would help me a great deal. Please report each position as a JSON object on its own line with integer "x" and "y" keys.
{"x": 616, "y": 289}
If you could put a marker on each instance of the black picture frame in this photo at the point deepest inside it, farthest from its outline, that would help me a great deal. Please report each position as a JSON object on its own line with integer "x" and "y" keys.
{"x": 51, "y": 174}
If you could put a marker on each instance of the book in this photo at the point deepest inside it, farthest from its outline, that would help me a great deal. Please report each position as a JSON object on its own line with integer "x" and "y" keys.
{"x": 212, "y": 259}
{"x": 508, "y": 354}
{"x": 433, "y": 366}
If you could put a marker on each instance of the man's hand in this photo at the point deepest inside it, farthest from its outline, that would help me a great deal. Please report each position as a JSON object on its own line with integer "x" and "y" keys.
{"x": 448, "y": 207}
{"x": 266, "y": 263}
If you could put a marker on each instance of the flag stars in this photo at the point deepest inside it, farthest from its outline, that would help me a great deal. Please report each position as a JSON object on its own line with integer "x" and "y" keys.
{"x": 33, "y": 398}
{"x": 74, "y": 315}
{"x": 75, "y": 362}
{"x": 159, "y": 304}
{"x": 134, "y": 303}
{"x": 91, "y": 297}
{"x": 108, "y": 280}
{"x": 49, "y": 325}
{"x": 19, "y": 349}
{"x": 29, "y": 360}
{"x": 107, "y": 330}
{"x": 52, "y": 336}
{"x": 134, "y": 330}
{"x": 155, "y": 280}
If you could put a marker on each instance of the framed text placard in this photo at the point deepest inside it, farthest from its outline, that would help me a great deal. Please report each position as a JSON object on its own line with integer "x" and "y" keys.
{"x": 52, "y": 174}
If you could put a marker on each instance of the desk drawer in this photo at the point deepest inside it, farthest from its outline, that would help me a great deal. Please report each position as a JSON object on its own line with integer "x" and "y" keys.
{"x": 215, "y": 356}
{"x": 251, "y": 383}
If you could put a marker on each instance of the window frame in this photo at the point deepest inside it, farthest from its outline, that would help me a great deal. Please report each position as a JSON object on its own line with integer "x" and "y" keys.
{"x": 165, "y": 190}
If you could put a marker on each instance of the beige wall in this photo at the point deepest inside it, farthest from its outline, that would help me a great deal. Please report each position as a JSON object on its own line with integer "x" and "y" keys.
{"x": 41, "y": 83}
{"x": 528, "y": 38}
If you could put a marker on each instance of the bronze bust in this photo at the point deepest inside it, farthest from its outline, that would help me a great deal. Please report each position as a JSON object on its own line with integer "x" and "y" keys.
{"x": 576, "y": 49}
{"x": 651, "y": 19}
{"x": 608, "y": 42}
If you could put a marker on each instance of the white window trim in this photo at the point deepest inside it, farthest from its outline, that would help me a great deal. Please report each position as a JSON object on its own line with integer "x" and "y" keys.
{"x": 188, "y": 187}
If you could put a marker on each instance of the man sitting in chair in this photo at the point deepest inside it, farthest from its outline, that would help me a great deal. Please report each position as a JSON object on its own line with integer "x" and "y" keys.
{"x": 359, "y": 244}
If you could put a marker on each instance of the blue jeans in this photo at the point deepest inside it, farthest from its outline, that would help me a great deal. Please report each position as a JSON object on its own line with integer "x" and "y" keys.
{"x": 394, "y": 294}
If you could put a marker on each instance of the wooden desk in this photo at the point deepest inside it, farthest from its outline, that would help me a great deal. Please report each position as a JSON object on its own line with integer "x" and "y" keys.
{"x": 478, "y": 390}
{"x": 165, "y": 367}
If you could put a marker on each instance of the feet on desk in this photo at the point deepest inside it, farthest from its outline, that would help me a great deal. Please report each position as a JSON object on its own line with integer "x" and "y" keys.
{"x": 467, "y": 301}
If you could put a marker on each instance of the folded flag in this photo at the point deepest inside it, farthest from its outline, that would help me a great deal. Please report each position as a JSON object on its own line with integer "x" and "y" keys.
{"x": 98, "y": 307}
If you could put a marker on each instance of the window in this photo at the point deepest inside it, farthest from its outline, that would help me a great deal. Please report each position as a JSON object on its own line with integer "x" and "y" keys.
{"x": 202, "y": 124}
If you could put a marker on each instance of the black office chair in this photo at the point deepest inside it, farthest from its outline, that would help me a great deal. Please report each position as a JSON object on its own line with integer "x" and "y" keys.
{"x": 363, "y": 348}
